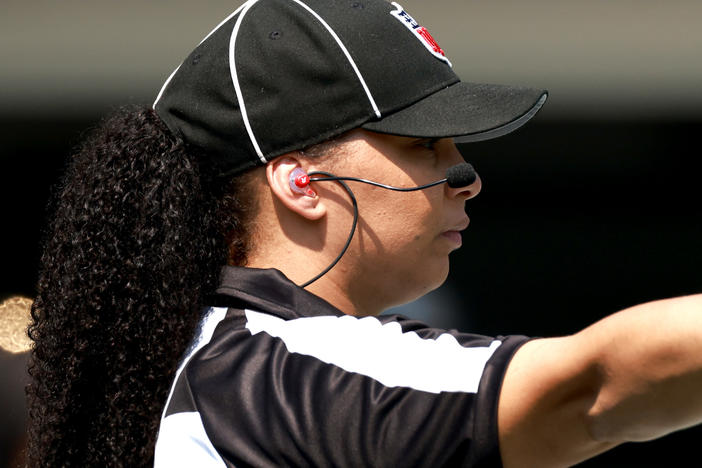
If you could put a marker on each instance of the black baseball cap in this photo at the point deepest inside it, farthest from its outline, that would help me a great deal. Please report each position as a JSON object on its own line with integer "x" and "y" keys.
{"x": 279, "y": 75}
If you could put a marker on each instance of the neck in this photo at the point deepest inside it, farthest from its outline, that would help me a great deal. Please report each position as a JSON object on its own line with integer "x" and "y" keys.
{"x": 301, "y": 249}
{"x": 340, "y": 297}
{"x": 334, "y": 287}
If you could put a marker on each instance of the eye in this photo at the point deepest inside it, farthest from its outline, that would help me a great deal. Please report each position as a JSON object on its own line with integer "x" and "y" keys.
{"x": 428, "y": 143}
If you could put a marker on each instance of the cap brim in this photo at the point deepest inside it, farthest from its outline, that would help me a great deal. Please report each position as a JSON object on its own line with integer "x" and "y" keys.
{"x": 465, "y": 111}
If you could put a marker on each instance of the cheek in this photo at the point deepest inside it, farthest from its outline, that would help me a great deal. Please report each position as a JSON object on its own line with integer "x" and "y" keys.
{"x": 399, "y": 244}
{"x": 421, "y": 263}
{"x": 404, "y": 223}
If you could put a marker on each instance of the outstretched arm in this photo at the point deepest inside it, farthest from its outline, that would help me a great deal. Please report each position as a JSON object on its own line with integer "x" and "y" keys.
{"x": 633, "y": 376}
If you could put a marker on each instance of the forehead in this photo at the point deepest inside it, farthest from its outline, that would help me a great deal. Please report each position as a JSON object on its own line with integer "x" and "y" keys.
{"x": 361, "y": 146}
{"x": 379, "y": 139}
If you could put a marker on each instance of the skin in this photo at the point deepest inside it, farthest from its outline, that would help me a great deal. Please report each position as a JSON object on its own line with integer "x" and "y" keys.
{"x": 634, "y": 376}
{"x": 401, "y": 247}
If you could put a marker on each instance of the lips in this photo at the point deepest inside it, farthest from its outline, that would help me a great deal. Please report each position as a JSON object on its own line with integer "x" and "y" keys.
{"x": 453, "y": 236}
{"x": 454, "y": 233}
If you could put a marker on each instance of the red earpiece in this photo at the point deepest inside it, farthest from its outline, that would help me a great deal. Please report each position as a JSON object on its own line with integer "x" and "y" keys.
{"x": 302, "y": 180}
{"x": 300, "y": 183}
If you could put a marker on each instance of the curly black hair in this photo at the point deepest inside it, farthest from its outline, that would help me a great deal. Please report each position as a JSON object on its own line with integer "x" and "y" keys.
{"x": 139, "y": 232}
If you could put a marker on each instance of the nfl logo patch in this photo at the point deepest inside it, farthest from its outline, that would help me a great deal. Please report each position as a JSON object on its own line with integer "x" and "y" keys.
{"x": 420, "y": 33}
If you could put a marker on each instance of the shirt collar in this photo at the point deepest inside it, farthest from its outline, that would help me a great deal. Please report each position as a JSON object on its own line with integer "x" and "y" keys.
{"x": 270, "y": 291}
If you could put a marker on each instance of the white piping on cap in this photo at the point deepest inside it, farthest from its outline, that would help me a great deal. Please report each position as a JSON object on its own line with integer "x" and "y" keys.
{"x": 348, "y": 56}
{"x": 223, "y": 21}
{"x": 235, "y": 80}
{"x": 163, "y": 88}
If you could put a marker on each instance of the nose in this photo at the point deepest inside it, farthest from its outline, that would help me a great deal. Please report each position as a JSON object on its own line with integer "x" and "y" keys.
{"x": 453, "y": 157}
{"x": 467, "y": 192}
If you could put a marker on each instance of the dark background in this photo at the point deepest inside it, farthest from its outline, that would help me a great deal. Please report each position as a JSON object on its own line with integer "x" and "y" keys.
{"x": 590, "y": 208}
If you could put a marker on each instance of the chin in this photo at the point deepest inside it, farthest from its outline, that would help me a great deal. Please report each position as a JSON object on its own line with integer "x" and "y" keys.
{"x": 438, "y": 280}
{"x": 423, "y": 284}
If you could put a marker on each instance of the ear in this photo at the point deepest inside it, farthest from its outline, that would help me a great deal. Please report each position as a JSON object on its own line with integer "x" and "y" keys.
{"x": 278, "y": 174}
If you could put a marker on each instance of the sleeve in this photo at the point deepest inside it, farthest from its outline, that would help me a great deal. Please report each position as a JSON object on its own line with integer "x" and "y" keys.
{"x": 343, "y": 391}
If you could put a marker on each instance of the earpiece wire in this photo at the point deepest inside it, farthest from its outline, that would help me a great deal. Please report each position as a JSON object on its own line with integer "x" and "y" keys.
{"x": 333, "y": 178}
{"x": 371, "y": 182}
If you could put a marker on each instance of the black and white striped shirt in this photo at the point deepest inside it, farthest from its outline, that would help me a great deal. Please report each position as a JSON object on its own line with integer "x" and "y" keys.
{"x": 279, "y": 377}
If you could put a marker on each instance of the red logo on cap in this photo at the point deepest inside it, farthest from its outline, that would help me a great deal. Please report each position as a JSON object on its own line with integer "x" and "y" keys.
{"x": 419, "y": 32}
{"x": 422, "y": 31}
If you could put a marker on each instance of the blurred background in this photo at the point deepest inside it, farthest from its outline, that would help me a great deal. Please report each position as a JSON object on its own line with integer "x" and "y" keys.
{"x": 592, "y": 207}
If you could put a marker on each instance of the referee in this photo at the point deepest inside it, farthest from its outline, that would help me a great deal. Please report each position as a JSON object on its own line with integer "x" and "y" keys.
{"x": 211, "y": 284}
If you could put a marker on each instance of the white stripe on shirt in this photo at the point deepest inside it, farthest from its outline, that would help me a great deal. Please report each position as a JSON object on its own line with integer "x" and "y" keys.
{"x": 183, "y": 442}
{"x": 380, "y": 351}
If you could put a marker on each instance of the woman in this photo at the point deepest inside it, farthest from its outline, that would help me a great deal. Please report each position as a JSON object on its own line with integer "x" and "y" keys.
{"x": 142, "y": 345}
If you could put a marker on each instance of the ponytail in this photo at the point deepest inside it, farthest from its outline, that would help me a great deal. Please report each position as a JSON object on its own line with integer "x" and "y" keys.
{"x": 138, "y": 236}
